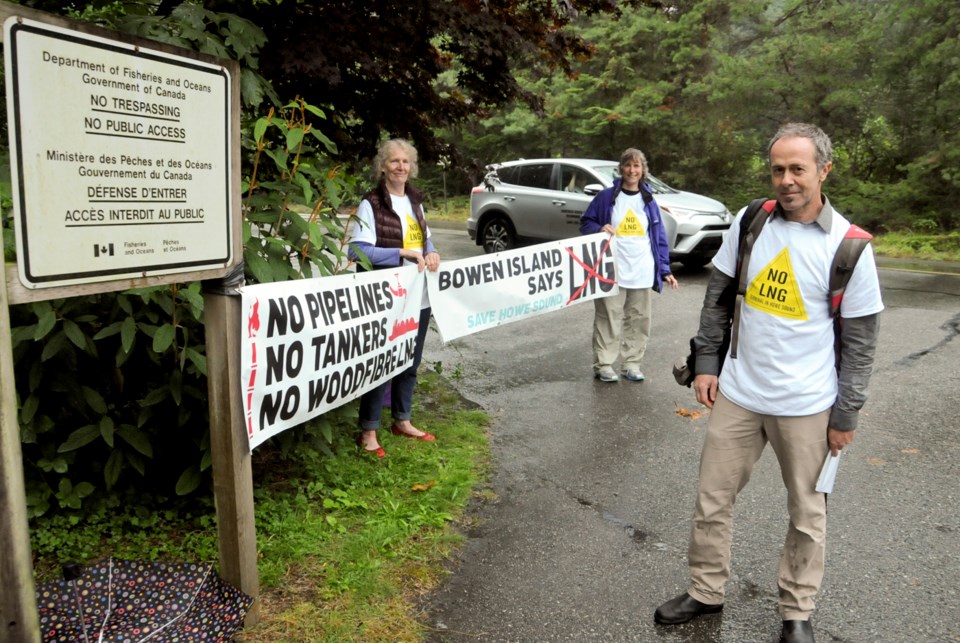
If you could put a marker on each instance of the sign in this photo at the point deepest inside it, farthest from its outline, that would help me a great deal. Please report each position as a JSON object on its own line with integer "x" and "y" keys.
{"x": 120, "y": 158}
{"x": 312, "y": 345}
{"x": 470, "y": 295}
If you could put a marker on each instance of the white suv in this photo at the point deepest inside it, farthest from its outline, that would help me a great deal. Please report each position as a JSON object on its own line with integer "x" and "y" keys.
{"x": 542, "y": 199}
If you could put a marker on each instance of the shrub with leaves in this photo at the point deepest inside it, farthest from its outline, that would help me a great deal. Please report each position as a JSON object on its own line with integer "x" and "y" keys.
{"x": 112, "y": 388}
{"x": 293, "y": 196}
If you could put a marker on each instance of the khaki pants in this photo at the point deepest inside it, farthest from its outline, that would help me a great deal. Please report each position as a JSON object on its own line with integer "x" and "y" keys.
{"x": 735, "y": 439}
{"x": 621, "y": 326}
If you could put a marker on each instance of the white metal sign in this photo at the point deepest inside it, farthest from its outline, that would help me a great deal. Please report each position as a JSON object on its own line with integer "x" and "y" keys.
{"x": 120, "y": 158}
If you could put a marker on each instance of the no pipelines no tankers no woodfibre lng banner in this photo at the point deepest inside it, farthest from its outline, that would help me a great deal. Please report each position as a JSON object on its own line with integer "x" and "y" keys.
{"x": 315, "y": 344}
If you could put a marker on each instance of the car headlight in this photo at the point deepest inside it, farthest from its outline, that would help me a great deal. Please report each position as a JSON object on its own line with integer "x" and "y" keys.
{"x": 681, "y": 213}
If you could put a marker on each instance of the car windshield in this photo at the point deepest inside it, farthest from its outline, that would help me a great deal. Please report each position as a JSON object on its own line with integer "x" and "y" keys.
{"x": 659, "y": 187}
{"x": 610, "y": 171}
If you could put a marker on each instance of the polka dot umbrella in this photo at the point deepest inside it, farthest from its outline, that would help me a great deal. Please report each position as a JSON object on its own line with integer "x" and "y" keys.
{"x": 128, "y": 602}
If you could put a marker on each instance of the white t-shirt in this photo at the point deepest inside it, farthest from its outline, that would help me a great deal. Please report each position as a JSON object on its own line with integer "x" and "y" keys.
{"x": 364, "y": 229}
{"x": 785, "y": 350}
{"x": 634, "y": 254}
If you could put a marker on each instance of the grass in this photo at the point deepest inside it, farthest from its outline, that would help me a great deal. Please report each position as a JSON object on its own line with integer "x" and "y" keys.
{"x": 347, "y": 545}
{"x": 913, "y": 245}
{"x": 457, "y": 209}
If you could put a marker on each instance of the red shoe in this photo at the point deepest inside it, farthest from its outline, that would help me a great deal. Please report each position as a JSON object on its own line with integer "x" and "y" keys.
{"x": 426, "y": 437}
{"x": 379, "y": 452}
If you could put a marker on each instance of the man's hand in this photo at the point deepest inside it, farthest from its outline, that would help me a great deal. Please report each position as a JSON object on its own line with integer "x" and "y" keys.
{"x": 838, "y": 439}
{"x": 705, "y": 386}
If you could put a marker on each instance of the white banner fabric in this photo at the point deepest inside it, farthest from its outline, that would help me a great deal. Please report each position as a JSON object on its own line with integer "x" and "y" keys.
{"x": 475, "y": 294}
{"x": 314, "y": 344}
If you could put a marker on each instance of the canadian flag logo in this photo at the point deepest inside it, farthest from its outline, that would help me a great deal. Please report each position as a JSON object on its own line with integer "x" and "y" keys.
{"x": 105, "y": 251}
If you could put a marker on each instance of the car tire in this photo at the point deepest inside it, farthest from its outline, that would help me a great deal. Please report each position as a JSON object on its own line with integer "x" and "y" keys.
{"x": 498, "y": 235}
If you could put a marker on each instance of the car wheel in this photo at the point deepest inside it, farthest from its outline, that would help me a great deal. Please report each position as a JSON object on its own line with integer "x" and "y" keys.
{"x": 498, "y": 235}
{"x": 695, "y": 261}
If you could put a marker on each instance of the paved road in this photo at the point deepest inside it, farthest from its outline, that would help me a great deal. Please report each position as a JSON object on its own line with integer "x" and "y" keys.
{"x": 594, "y": 487}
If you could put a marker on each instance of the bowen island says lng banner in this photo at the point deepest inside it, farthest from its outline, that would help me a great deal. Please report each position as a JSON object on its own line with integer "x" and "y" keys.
{"x": 314, "y": 344}
{"x": 475, "y": 294}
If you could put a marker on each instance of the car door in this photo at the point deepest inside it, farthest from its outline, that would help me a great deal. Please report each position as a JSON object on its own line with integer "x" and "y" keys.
{"x": 572, "y": 201}
{"x": 536, "y": 216}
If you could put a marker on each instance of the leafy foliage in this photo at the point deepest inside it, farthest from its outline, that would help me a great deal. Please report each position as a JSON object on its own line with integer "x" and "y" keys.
{"x": 377, "y": 64}
{"x": 112, "y": 388}
{"x": 293, "y": 195}
{"x": 702, "y": 85}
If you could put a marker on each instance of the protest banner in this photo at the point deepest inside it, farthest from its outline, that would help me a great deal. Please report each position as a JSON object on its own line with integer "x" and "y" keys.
{"x": 314, "y": 344}
{"x": 475, "y": 294}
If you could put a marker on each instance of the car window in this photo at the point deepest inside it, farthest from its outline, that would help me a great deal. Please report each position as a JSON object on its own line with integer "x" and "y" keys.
{"x": 608, "y": 171}
{"x": 573, "y": 179}
{"x": 509, "y": 174}
{"x": 536, "y": 175}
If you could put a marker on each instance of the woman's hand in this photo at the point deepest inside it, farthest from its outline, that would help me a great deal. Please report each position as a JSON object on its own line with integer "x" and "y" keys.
{"x": 412, "y": 255}
{"x": 670, "y": 279}
{"x": 432, "y": 260}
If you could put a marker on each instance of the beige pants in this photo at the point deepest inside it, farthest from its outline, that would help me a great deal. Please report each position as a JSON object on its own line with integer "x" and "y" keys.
{"x": 735, "y": 439}
{"x": 621, "y": 326}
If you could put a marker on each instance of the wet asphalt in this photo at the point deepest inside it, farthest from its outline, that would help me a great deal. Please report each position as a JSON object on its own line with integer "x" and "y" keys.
{"x": 584, "y": 531}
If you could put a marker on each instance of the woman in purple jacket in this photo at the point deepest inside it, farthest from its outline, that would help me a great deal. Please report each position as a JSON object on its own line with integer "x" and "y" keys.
{"x": 627, "y": 211}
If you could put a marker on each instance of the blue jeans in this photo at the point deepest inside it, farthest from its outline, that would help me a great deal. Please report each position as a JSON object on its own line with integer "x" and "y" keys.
{"x": 401, "y": 387}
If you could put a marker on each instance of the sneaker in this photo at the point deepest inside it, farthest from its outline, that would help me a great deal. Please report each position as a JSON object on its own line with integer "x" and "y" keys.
{"x": 607, "y": 374}
{"x": 633, "y": 374}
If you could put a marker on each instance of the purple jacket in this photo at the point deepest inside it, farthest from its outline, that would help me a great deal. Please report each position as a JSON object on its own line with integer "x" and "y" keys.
{"x": 600, "y": 212}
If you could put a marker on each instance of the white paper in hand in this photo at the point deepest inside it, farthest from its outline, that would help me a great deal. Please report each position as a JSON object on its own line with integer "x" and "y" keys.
{"x": 828, "y": 473}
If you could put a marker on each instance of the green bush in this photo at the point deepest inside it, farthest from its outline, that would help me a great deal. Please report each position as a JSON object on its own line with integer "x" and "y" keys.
{"x": 111, "y": 389}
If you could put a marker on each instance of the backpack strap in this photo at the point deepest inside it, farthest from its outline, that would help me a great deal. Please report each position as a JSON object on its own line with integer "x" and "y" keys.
{"x": 751, "y": 224}
{"x": 844, "y": 261}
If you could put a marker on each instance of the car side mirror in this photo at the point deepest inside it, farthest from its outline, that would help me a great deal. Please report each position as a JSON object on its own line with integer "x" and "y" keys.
{"x": 592, "y": 189}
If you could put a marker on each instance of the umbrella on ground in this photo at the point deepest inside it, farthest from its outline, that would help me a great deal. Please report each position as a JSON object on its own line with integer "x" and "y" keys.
{"x": 126, "y": 601}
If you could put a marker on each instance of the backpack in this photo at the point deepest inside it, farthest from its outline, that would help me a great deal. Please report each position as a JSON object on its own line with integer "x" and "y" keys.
{"x": 841, "y": 269}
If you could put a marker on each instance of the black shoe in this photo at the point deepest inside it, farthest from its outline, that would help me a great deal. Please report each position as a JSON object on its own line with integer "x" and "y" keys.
{"x": 796, "y": 632}
{"x": 682, "y": 609}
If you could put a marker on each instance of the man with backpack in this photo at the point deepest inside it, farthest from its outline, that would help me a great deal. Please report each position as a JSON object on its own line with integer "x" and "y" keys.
{"x": 781, "y": 382}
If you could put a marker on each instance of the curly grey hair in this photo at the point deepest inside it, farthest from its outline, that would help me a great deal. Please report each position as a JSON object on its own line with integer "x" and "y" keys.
{"x": 383, "y": 154}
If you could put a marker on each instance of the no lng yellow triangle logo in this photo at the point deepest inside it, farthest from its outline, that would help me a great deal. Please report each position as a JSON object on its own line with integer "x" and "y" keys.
{"x": 774, "y": 289}
{"x": 414, "y": 238}
{"x": 630, "y": 226}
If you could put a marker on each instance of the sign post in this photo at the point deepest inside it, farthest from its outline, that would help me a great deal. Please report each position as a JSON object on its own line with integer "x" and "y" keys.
{"x": 18, "y": 609}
